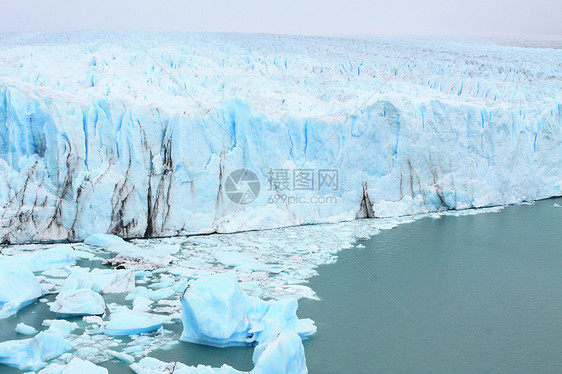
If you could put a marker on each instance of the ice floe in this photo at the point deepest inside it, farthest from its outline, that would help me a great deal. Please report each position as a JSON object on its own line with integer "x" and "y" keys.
{"x": 100, "y": 280}
{"x": 78, "y": 302}
{"x": 75, "y": 366}
{"x": 18, "y": 287}
{"x": 283, "y": 354}
{"x": 33, "y": 353}
{"x": 121, "y": 356}
{"x": 104, "y": 240}
{"x": 24, "y": 329}
{"x": 217, "y": 312}
{"x": 62, "y": 327}
{"x": 131, "y": 322}
{"x": 131, "y": 255}
{"x": 57, "y": 257}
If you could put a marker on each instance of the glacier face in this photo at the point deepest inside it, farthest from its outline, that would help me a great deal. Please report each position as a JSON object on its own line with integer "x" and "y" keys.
{"x": 95, "y": 135}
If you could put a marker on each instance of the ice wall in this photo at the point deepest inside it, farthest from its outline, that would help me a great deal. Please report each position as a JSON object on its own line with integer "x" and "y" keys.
{"x": 95, "y": 137}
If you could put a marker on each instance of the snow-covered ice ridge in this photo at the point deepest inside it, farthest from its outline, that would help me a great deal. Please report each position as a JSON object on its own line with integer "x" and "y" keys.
{"x": 96, "y": 137}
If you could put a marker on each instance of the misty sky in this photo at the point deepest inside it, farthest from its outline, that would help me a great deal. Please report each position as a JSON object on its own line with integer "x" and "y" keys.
{"x": 307, "y": 17}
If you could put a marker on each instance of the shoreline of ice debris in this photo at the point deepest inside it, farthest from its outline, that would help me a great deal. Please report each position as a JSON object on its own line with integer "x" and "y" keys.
{"x": 153, "y": 274}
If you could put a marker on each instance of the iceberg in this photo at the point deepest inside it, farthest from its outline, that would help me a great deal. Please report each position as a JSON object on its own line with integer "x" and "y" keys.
{"x": 23, "y": 329}
{"x": 32, "y": 354}
{"x": 18, "y": 287}
{"x": 105, "y": 240}
{"x": 217, "y": 312}
{"x": 76, "y": 365}
{"x": 284, "y": 354}
{"x": 109, "y": 144}
{"x": 57, "y": 257}
{"x": 142, "y": 304}
{"x": 60, "y": 326}
{"x": 78, "y": 302}
{"x": 132, "y": 322}
{"x": 100, "y": 280}
{"x": 121, "y": 356}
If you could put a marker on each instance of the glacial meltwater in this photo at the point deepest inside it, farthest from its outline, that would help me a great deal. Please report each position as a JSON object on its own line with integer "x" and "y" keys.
{"x": 470, "y": 294}
{"x": 477, "y": 293}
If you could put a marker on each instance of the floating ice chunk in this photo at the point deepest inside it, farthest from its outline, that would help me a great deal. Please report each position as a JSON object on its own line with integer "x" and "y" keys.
{"x": 281, "y": 316}
{"x": 149, "y": 365}
{"x": 24, "y": 329}
{"x": 214, "y": 312}
{"x": 217, "y": 312}
{"x": 33, "y": 354}
{"x": 130, "y": 322}
{"x": 57, "y": 257}
{"x": 556, "y": 205}
{"x": 142, "y": 304}
{"x": 100, "y": 280}
{"x": 75, "y": 366}
{"x": 78, "y": 279}
{"x": 114, "y": 281}
{"x": 165, "y": 281}
{"x": 145, "y": 257}
{"x": 93, "y": 319}
{"x": 121, "y": 356}
{"x": 79, "y": 302}
{"x": 60, "y": 326}
{"x": 18, "y": 288}
{"x": 284, "y": 354}
{"x": 104, "y": 240}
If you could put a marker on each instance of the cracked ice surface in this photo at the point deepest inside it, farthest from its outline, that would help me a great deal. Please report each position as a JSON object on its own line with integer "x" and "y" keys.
{"x": 95, "y": 138}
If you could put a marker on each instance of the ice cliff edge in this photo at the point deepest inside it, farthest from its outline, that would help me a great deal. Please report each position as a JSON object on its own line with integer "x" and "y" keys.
{"x": 94, "y": 137}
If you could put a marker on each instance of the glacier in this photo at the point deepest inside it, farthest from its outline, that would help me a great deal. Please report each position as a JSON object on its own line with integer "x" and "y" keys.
{"x": 96, "y": 138}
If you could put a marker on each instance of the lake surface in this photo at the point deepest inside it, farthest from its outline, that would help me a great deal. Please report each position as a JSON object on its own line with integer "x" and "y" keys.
{"x": 481, "y": 294}
{"x": 469, "y": 294}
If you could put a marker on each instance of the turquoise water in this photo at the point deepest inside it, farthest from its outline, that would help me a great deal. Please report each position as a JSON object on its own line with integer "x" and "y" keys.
{"x": 481, "y": 294}
{"x": 469, "y": 294}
